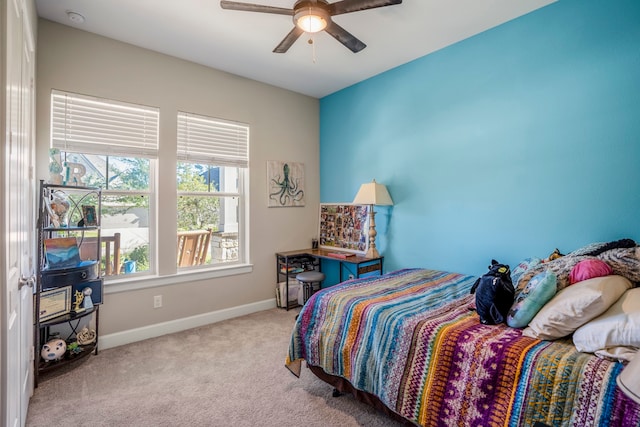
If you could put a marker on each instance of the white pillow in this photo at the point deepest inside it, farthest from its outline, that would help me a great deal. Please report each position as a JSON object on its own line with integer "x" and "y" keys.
{"x": 620, "y": 353}
{"x": 618, "y": 326}
{"x": 575, "y": 305}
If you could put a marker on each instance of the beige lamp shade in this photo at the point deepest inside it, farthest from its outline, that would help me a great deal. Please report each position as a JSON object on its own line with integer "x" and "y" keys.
{"x": 629, "y": 379}
{"x": 373, "y": 193}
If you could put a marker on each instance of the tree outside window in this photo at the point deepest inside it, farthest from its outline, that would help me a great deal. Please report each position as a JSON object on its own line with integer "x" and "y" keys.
{"x": 207, "y": 214}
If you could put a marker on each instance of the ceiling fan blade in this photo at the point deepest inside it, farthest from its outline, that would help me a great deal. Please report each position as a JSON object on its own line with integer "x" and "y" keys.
{"x": 347, "y": 6}
{"x": 289, "y": 40}
{"x": 344, "y": 37}
{"x": 251, "y": 7}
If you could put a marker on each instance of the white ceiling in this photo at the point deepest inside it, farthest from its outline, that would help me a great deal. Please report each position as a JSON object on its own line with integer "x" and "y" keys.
{"x": 242, "y": 42}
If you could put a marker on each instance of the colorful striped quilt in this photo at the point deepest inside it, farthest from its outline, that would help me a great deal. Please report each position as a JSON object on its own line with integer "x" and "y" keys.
{"x": 411, "y": 338}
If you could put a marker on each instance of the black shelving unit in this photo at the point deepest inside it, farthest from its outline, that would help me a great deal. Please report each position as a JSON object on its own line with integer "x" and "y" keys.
{"x": 75, "y": 278}
{"x": 287, "y": 268}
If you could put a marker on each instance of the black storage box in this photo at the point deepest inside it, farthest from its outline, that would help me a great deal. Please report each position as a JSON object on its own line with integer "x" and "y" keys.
{"x": 57, "y": 277}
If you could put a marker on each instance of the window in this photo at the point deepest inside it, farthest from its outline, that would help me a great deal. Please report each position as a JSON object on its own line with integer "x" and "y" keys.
{"x": 115, "y": 146}
{"x": 211, "y": 174}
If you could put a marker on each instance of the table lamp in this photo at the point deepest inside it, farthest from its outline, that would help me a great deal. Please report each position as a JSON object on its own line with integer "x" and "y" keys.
{"x": 629, "y": 379}
{"x": 373, "y": 193}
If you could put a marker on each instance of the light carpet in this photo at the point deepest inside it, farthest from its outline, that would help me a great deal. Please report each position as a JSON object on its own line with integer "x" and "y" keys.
{"x": 229, "y": 373}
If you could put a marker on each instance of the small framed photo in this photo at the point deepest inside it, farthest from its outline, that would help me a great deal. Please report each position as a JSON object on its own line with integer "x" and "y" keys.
{"x": 54, "y": 303}
{"x": 89, "y": 215}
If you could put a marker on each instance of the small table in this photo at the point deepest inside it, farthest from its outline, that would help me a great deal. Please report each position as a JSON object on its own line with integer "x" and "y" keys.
{"x": 362, "y": 264}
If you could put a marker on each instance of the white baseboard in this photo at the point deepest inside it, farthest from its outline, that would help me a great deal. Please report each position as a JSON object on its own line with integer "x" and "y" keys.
{"x": 178, "y": 325}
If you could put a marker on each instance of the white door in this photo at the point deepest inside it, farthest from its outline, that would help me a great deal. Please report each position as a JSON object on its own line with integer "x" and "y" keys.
{"x": 17, "y": 217}
{"x": 27, "y": 214}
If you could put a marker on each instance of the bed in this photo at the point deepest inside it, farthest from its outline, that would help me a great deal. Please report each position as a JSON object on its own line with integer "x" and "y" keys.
{"x": 410, "y": 343}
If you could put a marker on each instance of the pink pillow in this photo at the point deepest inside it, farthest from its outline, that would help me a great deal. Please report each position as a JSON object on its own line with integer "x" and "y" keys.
{"x": 588, "y": 269}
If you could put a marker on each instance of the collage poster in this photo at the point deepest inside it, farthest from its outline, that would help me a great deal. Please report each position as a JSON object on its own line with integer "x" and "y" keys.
{"x": 344, "y": 227}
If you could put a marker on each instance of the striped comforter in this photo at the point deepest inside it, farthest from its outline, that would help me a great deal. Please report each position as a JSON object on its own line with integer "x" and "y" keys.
{"x": 411, "y": 338}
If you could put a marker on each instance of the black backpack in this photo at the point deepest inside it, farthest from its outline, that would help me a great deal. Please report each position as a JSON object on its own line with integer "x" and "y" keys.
{"x": 494, "y": 294}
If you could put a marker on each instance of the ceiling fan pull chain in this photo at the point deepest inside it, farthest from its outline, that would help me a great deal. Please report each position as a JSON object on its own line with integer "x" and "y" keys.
{"x": 313, "y": 47}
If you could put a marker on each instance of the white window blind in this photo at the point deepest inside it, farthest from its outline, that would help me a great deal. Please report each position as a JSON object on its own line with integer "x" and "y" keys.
{"x": 91, "y": 125}
{"x": 212, "y": 141}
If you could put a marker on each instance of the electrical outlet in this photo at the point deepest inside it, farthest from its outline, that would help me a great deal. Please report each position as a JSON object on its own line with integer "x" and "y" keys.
{"x": 351, "y": 276}
{"x": 157, "y": 301}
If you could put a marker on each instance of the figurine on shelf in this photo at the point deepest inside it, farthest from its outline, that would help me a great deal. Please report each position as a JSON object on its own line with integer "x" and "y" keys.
{"x": 57, "y": 207}
{"x": 73, "y": 173}
{"x": 74, "y": 348}
{"x": 53, "y": 350}
{"x": 86, "y": 336}
{"x": 55, "y": 166}
{"x": 78, "y": 296}
{"x": 88, "y": 303}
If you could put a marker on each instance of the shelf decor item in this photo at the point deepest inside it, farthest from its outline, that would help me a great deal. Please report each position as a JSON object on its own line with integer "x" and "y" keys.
{"x": 86, "y": 336}
{"x": 78, "y": 297}
{"x": 53, "y": 350}
{"x": 89, "y": 215}
{"x": 54, "y": 303}
{"x": 57, "y": 205}
{"x": 73, "y": 173}
{"x": 55, "y": 166}
{"x": 62, "y": 252}
{"x": 87, "y": 303}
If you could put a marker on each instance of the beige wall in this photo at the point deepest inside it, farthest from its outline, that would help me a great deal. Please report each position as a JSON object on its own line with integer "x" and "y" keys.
{"x": 284, "y": 126}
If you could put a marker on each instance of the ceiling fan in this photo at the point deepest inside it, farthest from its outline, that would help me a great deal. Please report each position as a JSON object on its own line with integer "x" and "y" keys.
{"x": 313, "y": 16}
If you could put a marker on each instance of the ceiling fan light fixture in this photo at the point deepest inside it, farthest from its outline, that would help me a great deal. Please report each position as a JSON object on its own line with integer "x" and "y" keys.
{"x": 312, "y": 19}
{"x": 313, "y": 16}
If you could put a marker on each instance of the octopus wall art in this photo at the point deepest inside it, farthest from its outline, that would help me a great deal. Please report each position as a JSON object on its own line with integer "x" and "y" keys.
{"x": 285, "y": 182}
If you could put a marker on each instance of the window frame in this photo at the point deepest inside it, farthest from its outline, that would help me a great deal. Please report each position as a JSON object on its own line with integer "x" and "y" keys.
{"x": 215, "y": 144}
{"x": 89, "y": 125}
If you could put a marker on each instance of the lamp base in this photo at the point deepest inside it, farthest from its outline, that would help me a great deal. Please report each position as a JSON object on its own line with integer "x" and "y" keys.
{"x": 372, "y": 253}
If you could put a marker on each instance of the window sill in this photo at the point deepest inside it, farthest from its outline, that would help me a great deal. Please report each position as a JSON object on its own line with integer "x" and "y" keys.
{"x": 152, "y": 281}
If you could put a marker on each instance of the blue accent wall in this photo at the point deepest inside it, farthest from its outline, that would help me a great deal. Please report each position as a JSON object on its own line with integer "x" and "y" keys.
{"x": 506, "y": 145}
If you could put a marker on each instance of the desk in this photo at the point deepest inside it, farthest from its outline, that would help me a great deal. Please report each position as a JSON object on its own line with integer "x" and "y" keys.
{"x": 309, "y": 259}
